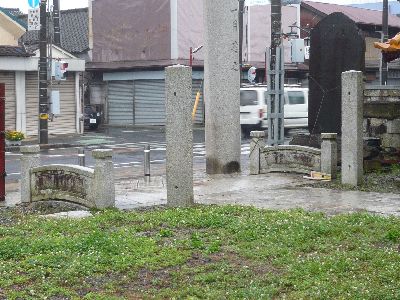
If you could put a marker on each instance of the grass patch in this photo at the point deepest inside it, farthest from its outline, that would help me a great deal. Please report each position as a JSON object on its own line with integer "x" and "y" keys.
{"x": 202, "y": 252}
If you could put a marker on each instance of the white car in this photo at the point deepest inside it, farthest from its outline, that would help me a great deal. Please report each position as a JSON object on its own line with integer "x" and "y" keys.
{"x": 253, "y": 108}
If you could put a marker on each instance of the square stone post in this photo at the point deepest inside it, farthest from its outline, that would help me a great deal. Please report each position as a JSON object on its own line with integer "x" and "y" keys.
{"x": 352, "y": 127}
{"x": 179, "y": 136}
{"x": 103, "y": 188}
{"x": 222, "y": 86}
{"x": 30, "y": 159}
{"x": 256, "y": 144}
{"x": 329, "y": 154}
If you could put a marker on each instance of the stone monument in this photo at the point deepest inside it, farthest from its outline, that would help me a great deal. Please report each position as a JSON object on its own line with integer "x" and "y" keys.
{"x": 337, "y": 46}
{"x": 222, "y": 86}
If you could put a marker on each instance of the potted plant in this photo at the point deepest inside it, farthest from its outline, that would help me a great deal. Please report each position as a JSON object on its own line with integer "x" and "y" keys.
{"x": 14, "y": 138}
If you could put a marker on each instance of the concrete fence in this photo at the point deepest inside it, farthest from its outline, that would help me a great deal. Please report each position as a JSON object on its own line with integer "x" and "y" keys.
{"x": 382, "y": 115}
{"x": 92, "y": 188}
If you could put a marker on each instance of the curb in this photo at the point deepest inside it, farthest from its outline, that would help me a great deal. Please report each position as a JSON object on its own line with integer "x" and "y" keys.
{"x": 44, "y": 147}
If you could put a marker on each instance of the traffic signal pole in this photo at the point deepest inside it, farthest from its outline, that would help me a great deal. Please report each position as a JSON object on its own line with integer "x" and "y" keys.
{"x": 43, "y": 101}
{"x": 56, "y": 20}
{"x": 275, "y": 78}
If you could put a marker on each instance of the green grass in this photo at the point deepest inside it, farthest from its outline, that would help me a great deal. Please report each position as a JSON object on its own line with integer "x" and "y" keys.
{"x": 201, "y": 253}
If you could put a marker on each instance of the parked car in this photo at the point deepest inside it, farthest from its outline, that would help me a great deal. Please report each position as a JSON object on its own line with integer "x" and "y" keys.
{"x": 253, "y": 108}
{"x": 91, "y": 118}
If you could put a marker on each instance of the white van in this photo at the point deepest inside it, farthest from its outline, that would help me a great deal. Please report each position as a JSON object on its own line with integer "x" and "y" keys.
{"x": 253, "y": 108}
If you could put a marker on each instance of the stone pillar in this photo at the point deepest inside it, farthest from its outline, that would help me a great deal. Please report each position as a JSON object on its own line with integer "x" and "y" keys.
{"x": 30, "y": 159}
{"x": 256, "y": 144}
{"x": 329, "y": 154}
{"x": 222, "y": 86}
{"x": 352, "y": 127}
{"x": 179, "y": 136}
{"x": 103, "y": 188}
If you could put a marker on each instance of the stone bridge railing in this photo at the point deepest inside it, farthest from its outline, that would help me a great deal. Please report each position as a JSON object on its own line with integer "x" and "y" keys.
{"x": 92, "y": 188}
{"x": 292, "y": 158}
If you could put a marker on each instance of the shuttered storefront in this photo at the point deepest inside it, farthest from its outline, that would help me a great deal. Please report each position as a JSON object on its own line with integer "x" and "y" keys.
{"x": 149, "y": 102}
{"x": 65, "y": 123}
{"x": 120, "y": 103}
{"x": 142, "y": 102}
{"x": 8, "y": 78}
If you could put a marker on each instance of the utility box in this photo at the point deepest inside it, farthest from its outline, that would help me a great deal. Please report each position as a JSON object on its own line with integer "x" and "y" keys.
{"x": 298, "y": 52}
{"x": 55, "y": 103}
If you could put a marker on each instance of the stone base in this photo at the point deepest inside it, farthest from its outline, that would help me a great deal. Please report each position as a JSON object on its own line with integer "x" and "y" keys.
{"x": 12, "y": 143}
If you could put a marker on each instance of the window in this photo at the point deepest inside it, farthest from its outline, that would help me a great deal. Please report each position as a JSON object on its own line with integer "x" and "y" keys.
{"x": 295, "y": 97}
{"x": 248, "y": 98}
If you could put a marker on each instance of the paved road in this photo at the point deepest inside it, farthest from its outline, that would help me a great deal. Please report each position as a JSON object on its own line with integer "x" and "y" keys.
{"x": 128, "y": 146}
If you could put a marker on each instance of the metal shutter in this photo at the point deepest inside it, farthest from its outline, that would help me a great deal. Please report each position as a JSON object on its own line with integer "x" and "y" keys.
{"x": 62, "y": 124}
{"x": 65, "y": 123}
{"x": 150, "y": 102}
{"x": 32, "y": 103}
{"x": 9, "y": 79}
{"x": 196, "y": 86}
{"x": 120, "y": 103}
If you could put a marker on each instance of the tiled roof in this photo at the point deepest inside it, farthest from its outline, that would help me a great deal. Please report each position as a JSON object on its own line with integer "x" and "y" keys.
{"x": 13, "y": 14}
{"x": 15, "y": 51}
{"x": 74, "y": 26}
{"x": 358, "y": 15}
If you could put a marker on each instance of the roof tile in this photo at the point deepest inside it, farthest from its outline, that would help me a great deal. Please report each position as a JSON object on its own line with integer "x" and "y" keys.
{"x": 358, "y": 15}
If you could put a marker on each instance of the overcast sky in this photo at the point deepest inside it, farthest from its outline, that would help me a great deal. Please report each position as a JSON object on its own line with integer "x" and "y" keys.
{"x": 23, "y": 4}
{"x": 68, "y": 4}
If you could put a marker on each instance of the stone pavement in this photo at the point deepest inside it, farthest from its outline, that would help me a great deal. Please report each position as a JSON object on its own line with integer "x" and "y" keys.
{"x": 270, "y": 191}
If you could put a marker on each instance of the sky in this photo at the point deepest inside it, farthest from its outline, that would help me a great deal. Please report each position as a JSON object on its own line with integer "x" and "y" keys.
{"x": 23, "y": 4}
{"x": 69, "y": 4}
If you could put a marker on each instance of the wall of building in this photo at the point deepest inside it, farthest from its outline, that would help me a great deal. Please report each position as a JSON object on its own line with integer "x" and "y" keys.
{"x": 257, "y": 31}
{"x": 6, "y": 38}
{"x": 190, "y": 28}
{"x": 127, "y": 30}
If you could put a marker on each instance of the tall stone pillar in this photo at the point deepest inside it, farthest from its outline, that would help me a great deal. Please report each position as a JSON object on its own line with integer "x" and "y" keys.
{"x": 222, "y": 86}
{"x": 103, "y": 187}
{"x": 179, "y": 136}
{"x": 352, "y": 127}
{"x": 30, "y": 159}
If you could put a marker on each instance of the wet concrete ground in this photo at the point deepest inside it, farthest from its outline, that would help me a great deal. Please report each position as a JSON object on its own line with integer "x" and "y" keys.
{"x": 269, "y": 191}
{"x": 272, "y": 191}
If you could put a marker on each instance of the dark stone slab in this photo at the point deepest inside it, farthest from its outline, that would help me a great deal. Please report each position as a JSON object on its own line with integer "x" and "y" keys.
{"x": 336, "y": 46}
{"x": 382, "y": 110}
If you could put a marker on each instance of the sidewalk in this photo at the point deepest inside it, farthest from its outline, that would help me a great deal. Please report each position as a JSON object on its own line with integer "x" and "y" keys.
{"x": 270, "y": 191}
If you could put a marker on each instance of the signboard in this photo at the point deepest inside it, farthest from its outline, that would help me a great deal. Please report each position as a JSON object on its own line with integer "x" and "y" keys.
{"x": 34, "y": 19}
{"x": 257, "y": 2}
{"x": 251, "y": 75}
{"x": 34, "y": 3}
{"x": 307, "y": 52}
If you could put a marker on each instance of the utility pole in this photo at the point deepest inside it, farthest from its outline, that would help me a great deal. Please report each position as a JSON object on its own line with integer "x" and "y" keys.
{"x": 385, "y": 33}
{"x": 43, "y": 101}
{"x": 56, "y": 17}
{"x": 275, "y": 78}
{"x": 2, "y": 143}
{"x": 241, "y": 12}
